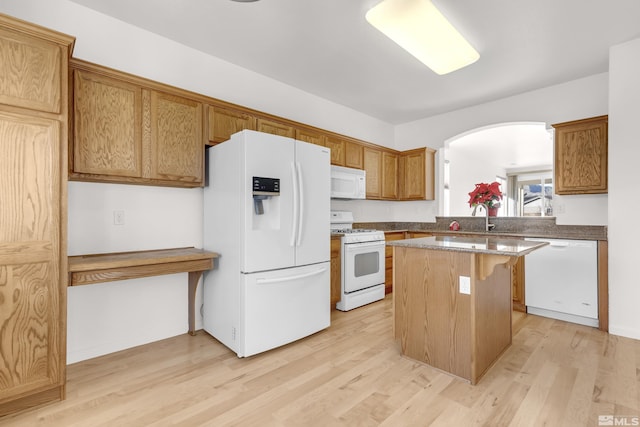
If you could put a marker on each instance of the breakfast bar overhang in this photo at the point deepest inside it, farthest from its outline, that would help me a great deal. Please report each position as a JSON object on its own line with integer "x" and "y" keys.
{"x": 452, "y": 300}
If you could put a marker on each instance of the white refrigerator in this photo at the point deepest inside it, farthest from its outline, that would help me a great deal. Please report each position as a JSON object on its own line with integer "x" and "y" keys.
{"x": 266, "y": 212}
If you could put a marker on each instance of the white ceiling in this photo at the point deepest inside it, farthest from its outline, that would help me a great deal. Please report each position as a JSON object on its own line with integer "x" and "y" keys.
{"x": 325, "y": 47}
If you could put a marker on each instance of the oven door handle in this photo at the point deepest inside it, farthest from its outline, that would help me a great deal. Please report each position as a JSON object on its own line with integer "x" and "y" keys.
{"x": 361, "y": 245}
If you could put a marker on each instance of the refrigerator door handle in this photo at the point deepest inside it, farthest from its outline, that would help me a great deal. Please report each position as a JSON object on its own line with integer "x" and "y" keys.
{"x": 296, "y": 205}
{"x": 290, "y": 278}
{"x": 300, "y": 203}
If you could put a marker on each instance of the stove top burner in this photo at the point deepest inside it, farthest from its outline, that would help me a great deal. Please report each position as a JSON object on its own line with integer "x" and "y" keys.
{"x": 353, "y": 230}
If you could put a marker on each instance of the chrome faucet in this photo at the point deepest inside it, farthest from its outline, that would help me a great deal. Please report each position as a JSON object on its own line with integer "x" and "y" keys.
{"x": 487, "y": 226}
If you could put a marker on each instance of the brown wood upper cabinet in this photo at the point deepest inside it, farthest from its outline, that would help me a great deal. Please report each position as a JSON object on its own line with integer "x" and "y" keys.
{"x": 338, "y": 149}
{"x": 389, "y": 175}
{"x": 276, "y": 128}
{"x": 130, "y": 130}
{"x": 224, "y": 122}
{"x": 310, "y": 136}
{"x": 353, "y": 155}
{"x": 416, "y": 174}
{"x": 581, "y": 156}
{"x": 373, "y": 168}
{"x": 33, "y": 205}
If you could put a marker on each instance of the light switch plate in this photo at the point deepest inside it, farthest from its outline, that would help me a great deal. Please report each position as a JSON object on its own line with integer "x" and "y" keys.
{"x": 465, "y": 285}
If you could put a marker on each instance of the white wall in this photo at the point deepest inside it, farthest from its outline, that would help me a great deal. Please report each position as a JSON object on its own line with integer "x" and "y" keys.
{"x": 624, "y": 153}
{"x": 104, "y": 318}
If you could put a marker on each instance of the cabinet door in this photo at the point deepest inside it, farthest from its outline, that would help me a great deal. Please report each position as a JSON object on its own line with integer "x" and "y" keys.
{"x": 389, "y": 175}
{"x": 337, "y": 147}
{"x": 517, "y": 283}
{"x": 224, "y": 122}
{"x": 373, "y": 168}
{"x": 581, "y": 156}
{"x": 107, "y": 126}
{"x": 336, "y": 271}
{"x": 32, "y": 297}
{"x": 268, "y": 126}
{"x": 30, "y": 69}
{"x": 354, "y": 155}
{"x": 417, "y": 174}
{"x": 388, "y": 259}
{"x": 177, "y": 149}
{"x": 310, "y": 136}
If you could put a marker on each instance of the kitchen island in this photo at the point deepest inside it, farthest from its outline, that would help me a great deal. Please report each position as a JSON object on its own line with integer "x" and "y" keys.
{"x": 452, "y": 300}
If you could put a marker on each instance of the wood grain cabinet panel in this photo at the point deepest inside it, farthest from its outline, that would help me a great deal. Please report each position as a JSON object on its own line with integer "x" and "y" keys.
{"x": 224, "y": 122}
{"x": 107, "y": 126}
{"x": 310, "y": 136}
{"x": 133, "y": 131}
{"x": 416, "y": 174}
{"x": 581, "y": 156}
{"x": 33, "y": 204}
{"x": 388, "y": 259}
{"x": 389, "y": 175}
{"x": 275, "y": 128}
{"x": 336, "y": 270}
{"x": 176, "y": 138}
{"x": 353, "y": 155}
{"x": 30, "y": 70}
{"x": 338, "y": 150}
{"x": 517, "y": 284}
{"x": 373, "y": 169}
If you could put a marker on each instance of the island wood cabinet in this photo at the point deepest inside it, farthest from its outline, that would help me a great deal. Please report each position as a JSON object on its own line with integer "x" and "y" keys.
{"x": 33, "y": 134}
{"x": 581, "y": 156}
{"x": 224, "y": 122}
{"x": 131, "y": 130}
{"x": 416, "y": 174}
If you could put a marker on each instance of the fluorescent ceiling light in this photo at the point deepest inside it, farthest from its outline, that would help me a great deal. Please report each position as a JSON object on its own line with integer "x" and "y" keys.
{"x": 419, "y": 28}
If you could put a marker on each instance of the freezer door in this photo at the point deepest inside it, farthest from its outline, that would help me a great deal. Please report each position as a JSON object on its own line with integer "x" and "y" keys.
{"x": 268, "y": 240}
{"x": 283, "y": 306}
{"x": 314, "y": 176}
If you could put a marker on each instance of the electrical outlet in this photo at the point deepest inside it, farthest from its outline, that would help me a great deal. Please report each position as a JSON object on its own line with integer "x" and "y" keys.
{"x": 118, "y": 217}
{"x": 465, "y": 285}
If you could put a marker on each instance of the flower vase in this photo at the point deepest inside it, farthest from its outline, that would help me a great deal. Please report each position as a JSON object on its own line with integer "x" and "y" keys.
{"x": 493, "y": 211}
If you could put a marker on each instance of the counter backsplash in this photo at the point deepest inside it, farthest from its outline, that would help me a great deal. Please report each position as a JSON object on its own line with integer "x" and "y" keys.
{"x": 521, "y": 227}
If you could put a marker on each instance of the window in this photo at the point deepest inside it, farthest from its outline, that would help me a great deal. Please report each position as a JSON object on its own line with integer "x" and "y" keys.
{"x": 533, "y": 193}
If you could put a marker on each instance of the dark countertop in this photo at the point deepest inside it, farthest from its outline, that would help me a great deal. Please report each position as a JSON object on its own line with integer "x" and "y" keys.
{"x": 484, "y": 245}
{"x": 545, "y": 227}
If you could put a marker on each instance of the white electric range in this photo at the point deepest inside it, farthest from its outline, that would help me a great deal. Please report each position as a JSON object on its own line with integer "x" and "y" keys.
{"x": 362, "y": 256}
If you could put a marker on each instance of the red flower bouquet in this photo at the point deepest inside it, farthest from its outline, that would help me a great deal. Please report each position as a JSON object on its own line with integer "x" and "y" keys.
{"x": 485, "y": 194}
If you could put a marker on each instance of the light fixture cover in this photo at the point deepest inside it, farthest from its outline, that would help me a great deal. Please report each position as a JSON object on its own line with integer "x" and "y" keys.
{"x": 419, "y": 28}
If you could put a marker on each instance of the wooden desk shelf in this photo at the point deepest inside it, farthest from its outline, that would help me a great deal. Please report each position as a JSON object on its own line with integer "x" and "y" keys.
{"x": 108, "y": 267}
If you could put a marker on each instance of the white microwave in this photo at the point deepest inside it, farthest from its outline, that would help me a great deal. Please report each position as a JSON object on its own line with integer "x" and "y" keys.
{"x": 348, "y": 183}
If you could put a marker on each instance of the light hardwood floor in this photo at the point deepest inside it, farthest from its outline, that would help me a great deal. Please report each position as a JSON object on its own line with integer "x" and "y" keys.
{"x": 555, "y": 374}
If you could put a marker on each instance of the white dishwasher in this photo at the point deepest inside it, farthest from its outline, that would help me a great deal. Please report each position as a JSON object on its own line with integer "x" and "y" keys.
{"x": 561, "y": 281}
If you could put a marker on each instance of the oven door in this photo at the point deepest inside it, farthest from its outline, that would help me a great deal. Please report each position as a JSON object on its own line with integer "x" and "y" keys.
{"x": 363, "y": 265}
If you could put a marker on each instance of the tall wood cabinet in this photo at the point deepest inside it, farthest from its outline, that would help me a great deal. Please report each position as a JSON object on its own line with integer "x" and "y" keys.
{"x": 581, "y": 156}
{"x": 130, "y": 130}
{"x": 33, "y": 218}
